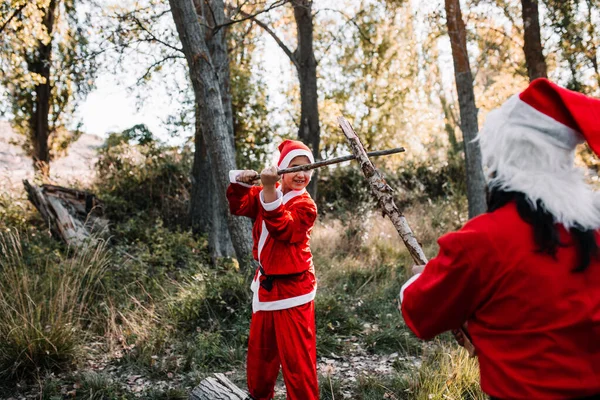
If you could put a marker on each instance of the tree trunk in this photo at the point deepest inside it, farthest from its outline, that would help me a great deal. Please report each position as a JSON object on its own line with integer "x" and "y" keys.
{"x": 534, "y": 57}
{"x": 215, "y": 130}
{"x": 207, "y": 214}
{"x": 468, "y": 110}
{"x": 310, "y": 131}
{"x": 39, "y": 126}
{"x": 206, "y": 217}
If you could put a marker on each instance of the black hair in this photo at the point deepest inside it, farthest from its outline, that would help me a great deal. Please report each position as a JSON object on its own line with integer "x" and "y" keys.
{"x": 545, "y": 232}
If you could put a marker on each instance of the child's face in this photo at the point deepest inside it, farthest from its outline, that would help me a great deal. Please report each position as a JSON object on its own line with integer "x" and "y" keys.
{"x": 296, "y": 180}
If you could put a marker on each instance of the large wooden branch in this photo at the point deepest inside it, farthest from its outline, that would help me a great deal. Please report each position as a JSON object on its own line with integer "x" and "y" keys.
{"x": 383, "y": 194}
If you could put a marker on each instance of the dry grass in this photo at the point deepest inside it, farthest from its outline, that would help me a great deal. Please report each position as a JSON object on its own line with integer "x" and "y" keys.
{"x": 44, "y": 306}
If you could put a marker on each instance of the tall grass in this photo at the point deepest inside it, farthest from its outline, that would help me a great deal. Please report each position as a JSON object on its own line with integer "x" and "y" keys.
{"x": 448, "y": 373}
{"x": 44, "y": 304}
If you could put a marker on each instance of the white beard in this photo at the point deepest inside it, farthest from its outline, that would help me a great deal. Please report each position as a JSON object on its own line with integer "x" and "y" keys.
{"x": 535, "y": 156}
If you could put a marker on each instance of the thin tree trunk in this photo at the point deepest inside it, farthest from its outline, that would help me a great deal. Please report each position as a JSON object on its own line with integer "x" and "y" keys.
{"x": 468, "y": 110}
{"x": 215, "y": 130}
{"x": 310, "y": 130}
{"x": 39, "y": 126}
{"x": 534, "y": 57}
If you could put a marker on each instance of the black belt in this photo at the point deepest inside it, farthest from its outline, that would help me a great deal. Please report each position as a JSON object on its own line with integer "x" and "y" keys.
{"x": 267, "y": 283}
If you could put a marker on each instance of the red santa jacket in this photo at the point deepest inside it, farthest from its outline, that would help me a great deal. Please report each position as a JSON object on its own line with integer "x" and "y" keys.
{"x": 534, "y": 322}
{"x": 281, "y": 235}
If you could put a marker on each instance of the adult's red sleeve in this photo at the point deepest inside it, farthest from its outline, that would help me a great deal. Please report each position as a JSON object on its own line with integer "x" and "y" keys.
{"x": 450, "y": 288}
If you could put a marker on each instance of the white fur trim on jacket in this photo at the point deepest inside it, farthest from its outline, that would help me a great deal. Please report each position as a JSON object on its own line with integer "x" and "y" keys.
{"x": 295, "y": 153}
{"x": 407, "y": 284}
{"x": 527, "y": 151}
{"x": 274, "y": 204}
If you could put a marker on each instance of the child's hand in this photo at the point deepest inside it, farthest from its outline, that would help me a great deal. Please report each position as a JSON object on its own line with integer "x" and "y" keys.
{"x": 269, "y": 176}
{"x": 247, "y": 176}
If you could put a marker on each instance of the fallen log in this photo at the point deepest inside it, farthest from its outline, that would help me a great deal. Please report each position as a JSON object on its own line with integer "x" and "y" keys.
{"x": 383, "y": 193}
{"x": 218, "y": 387}
{"x": 72, "y": 215}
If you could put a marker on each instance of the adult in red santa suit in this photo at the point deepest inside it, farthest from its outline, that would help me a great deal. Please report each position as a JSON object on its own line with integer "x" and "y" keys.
{"x": 526, "y": 274}
{"x": 282, "y": 330}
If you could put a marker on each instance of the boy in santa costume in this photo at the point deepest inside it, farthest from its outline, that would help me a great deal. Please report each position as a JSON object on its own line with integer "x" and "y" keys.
{"x": 525, "y": 275}
{"x": 282, "y": 330}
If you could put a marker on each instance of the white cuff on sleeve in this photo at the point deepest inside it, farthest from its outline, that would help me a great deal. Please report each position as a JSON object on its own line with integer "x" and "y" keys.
{"x": 407, "y": 284}
{"x": 274, "y": 204}
{"x": 233, "y": 174}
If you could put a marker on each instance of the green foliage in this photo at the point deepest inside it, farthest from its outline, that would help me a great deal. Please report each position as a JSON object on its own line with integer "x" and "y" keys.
{"x": 253, "y": 131}
{"x": 344, "y": 192}
{"x": 45, "y": 302}
{"x": 335, "y": 322}
{"x": 573, "y": 22}
{"x": 213, "y": 352}
{"x": 30, "y": 44}
{"x": 146, "y": 179}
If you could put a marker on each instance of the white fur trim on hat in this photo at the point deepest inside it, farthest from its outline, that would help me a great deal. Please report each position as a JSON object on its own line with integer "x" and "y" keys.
{"x": 530, "y": 152}
{"x": 295, "y": 153}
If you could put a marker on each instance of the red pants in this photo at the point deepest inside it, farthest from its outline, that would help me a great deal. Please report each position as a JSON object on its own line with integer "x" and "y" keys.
{"x": 286, "y": 338}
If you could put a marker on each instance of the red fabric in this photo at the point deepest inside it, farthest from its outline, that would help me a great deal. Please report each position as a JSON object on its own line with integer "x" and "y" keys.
{"x": 287, "y": 248}
{"x": 286, "y": 338}
{"x": 534, "y": 322}
{"x": 573, "y": 109}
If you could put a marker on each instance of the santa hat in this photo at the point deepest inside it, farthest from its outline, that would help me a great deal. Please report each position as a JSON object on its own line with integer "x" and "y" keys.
{"x": 528, "y": 146}
{"x": 289, "y": 149}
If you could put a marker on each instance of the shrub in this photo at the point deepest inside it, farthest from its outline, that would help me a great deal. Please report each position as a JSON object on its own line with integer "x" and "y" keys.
{"x": 147, "y": 179}
{"x": 44, "y": 304}
{"x": 344, "y": 191}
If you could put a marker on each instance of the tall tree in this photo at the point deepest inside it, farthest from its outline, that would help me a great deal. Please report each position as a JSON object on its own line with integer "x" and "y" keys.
{"x": 306, "y": 65}
{"x": 207, "y": 213}
{"x": 468, "y": 109}
{"x": 534, "y": 57}
{"x": 46, "y": 67}
{"x": 204, "y": 74}
{"x": 303, "y": 59}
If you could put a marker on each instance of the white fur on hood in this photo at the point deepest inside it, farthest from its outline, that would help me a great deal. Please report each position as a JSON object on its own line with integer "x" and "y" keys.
{"x": 532, "y": 153}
